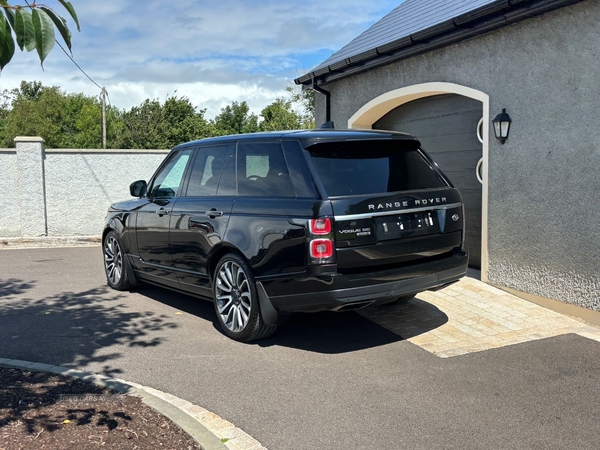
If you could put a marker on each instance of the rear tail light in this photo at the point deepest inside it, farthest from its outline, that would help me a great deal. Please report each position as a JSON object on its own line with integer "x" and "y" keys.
{"x": 321, "y": 241}
{"x": 321, "y": 249}
{"x": 320, "y": 226}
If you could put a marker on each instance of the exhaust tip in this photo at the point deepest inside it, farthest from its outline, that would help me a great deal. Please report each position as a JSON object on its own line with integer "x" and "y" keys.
{"x": 353, "y": 306}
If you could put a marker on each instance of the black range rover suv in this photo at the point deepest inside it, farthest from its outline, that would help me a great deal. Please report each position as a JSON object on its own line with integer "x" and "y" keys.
{"x": 268, "y": 224}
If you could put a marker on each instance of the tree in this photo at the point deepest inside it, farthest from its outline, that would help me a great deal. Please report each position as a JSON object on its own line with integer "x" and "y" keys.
{"x": 74, "y": 120}
{"x": 63, "y": 120}
{"x": 295, "y": 111}
{"x": 279, "y": 115}
{"x": 33, "y": 28}
{"x": 235, "y": 119}
{"x": 303, "y": 101}
{"x": 41, "y": 115}
{"x": 30, "y": 91}
{"x": 4, "y": 111}
{"x": 153, "y": 125}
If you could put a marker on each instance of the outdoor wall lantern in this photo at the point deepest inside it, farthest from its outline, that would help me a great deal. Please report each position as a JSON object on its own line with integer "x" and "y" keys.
{"x": 502, "y": 126}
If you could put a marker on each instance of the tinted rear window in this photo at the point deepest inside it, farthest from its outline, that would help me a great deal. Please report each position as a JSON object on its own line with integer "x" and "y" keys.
{"x": 372, "y": 167}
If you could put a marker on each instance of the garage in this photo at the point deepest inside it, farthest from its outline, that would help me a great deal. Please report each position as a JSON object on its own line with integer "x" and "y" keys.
{"x": 412, "y": 70}
{"x": 447, "y": 126}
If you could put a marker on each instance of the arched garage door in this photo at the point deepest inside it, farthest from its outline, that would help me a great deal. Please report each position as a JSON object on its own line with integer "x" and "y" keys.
{"x": 446, "y": 125}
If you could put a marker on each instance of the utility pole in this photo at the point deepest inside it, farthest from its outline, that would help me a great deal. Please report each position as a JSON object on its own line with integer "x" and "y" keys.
{"x": 103, "y": 96}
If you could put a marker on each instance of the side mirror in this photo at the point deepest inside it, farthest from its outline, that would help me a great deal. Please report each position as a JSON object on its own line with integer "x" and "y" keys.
{"x": 138, "y": 188}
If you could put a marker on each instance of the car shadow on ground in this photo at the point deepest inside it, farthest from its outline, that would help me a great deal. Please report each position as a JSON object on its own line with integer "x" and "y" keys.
{"x": 341, "y": 332}
{"x": 407, "y": 319}
{"x": 325, "y": 332}
{"x": 198, "y": 307}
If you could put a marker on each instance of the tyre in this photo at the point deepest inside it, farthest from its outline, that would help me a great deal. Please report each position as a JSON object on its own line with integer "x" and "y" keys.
{"x": 115, "y": 263}
{"x": 236, "y": 301}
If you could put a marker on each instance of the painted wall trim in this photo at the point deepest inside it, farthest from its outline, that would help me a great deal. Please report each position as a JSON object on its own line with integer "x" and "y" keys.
{"x": 374, "y": 110}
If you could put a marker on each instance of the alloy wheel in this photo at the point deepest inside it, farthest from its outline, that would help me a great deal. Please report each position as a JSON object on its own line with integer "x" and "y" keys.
{"x": 233, "y": 296}
{"x": 113, "y": 260}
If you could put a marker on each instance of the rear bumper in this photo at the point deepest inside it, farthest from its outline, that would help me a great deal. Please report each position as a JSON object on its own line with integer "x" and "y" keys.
{"x": 339, "y": 291}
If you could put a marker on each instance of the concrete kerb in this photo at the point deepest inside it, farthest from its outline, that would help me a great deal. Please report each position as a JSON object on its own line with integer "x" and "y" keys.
{"x": 49, "y": 242}
{"x": 209, "y": 430}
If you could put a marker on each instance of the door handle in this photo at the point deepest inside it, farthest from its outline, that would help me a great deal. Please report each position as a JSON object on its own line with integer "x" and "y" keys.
{"x": 478, "y": 171}
{"x": 161, "y": 212}
{"x": 214, "y": 213}
{"x": 480, "y": 130}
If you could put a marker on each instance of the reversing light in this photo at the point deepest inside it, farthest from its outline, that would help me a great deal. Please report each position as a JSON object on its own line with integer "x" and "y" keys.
{"x": 320, "y": 226}
{"x": 321, "y": 249}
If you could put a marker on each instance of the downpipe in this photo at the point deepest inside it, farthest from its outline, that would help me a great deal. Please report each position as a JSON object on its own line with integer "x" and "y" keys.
{"x": 328, "y": 123}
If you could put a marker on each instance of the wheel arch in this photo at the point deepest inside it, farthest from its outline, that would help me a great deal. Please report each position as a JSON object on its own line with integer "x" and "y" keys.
{"x": 218, "y": 253}
{"x": 116, "y": 224}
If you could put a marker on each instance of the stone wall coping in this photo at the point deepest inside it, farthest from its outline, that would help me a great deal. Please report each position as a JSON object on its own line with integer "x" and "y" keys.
{"x": 105, "y": 151}
{"x": 29, "y": 139}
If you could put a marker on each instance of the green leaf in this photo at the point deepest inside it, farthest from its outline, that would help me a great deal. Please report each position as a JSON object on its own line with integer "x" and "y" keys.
{"x": 7, "y": 45}
{"x": 71, "y": 10}
{"x": 10, "y": 15}
{"x": 2, "y": 30}
{"x": 44, "y": 33}
{"x": 24, "y": 30}
{"x": 61, "y": 25}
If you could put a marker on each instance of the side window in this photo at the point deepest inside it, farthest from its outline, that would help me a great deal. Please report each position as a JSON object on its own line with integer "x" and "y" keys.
{"x": 262, "y": 171}
{"x": 168, "y": 181}
{"x": 299, "y": 171}
{"x": 227, "y": 181}
{"x": 206, "y": 171}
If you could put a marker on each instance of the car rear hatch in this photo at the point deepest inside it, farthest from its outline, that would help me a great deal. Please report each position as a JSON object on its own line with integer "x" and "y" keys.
{"x": 392, "y": 205}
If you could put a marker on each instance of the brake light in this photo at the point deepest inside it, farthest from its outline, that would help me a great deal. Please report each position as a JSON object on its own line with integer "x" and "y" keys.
{"x": 321, "y": 241}
{"x": 320, "y": 226}
{"x": 321, "y": 249}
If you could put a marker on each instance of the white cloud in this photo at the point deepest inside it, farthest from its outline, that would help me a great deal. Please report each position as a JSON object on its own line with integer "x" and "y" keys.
{"x": 212, "y": 51}
{"x": 209, "y": 96}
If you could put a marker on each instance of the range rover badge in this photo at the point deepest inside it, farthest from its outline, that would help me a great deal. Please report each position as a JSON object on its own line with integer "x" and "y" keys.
{"x": 455, "y": 217}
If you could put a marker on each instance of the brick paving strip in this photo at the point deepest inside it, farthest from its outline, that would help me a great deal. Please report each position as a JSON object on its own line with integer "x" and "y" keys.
{"x": 472, "y": 316}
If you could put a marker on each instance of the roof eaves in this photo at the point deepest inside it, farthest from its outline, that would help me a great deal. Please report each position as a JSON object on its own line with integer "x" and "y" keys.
{"x": 433, "y": 31}
{"x": 481, "y": 20}
{"x": 416, "y": 49}
{"x": 492, "y": 8}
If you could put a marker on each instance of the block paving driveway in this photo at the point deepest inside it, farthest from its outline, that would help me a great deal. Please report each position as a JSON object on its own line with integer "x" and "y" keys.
{"x": 468, "y": 367}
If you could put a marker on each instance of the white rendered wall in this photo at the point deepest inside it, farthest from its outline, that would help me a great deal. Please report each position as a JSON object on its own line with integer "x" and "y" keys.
{"x": 81, "y": 185}
{"x": 65, "y": 192}
{"x": 10, "y": 194}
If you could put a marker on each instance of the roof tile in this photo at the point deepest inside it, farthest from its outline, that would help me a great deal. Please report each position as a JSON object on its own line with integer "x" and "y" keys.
{"x": 407, "y": 19}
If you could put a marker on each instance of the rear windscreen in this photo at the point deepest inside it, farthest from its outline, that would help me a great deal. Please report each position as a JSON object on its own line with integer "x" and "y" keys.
{"x": 372, "y": 167}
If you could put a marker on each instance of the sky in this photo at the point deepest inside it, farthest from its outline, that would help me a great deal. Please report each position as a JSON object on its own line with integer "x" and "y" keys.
{"x": 213, "y": 51}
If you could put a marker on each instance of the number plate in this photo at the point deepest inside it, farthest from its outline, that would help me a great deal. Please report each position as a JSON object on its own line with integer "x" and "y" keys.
{"x": 403, "y": 225}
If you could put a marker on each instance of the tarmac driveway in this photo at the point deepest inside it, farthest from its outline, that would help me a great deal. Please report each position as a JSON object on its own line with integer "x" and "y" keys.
{"x": 417, "y": 377}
